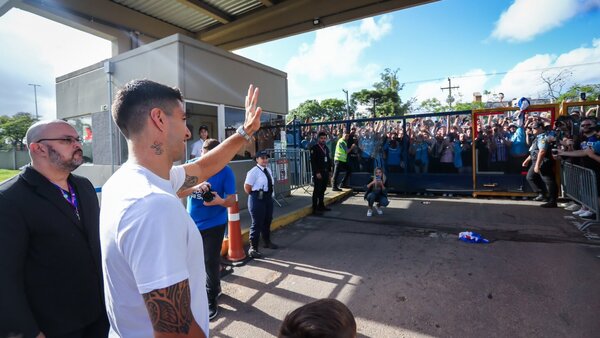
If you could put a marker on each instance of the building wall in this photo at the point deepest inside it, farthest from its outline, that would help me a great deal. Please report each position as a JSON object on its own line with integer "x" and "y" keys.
{"x": 204, "y": 74}
{"x": 212, "y": 75}
{"x": 82, "y": 92}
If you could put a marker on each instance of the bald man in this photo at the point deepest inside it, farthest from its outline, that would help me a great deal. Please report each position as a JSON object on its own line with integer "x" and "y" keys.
{"x": 50, "y": 268}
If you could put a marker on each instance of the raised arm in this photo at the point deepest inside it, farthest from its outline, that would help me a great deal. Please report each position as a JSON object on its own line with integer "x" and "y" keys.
{"x": 215, "y": 160}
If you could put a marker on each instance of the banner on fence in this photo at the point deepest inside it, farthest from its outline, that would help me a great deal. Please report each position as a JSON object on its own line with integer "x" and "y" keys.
{"x": 282, "y": 170}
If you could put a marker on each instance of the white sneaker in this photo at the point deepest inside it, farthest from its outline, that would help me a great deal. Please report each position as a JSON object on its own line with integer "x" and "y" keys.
{"x": 369, "y": 213}
{"x": 573, "y": 207}
{"x": 586, "y": 213}
{"x": 379, "y": 211}
{"x": 578, "y": 212}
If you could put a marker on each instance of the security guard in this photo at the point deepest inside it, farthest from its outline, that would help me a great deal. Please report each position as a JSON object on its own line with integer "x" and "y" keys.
{"x": 341, "y": 161}
{"x": 321, "y": 166}
{"x": 542, "y": 168}
{"x": 259, "y": 186}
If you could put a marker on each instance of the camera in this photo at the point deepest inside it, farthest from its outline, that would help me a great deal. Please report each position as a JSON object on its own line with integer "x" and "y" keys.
{"x": 207, "y": 196}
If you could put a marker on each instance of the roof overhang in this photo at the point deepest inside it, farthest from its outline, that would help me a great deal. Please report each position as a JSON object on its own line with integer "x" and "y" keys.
{"x": 228, "y": 24}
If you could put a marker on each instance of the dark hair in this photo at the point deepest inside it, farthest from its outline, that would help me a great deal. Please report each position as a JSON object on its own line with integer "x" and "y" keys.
{"x": 210, "y": 144}
{"x": 203, "y": 127}
{"x": 322, "y": 318}
{"x": 321, "y": 133}
{"x": 137, "y": 98}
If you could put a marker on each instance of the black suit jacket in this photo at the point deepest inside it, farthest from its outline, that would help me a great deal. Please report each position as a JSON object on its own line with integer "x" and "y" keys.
{"x": 317, "y": 159}
{"x": 50, "y": 268}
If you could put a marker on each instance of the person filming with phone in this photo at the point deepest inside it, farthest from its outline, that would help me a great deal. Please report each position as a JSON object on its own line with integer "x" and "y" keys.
{"x": 376, "y": 193}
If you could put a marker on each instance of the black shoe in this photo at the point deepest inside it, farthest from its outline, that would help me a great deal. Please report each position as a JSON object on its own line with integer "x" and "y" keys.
{"x": 539, "y": 198}
{"x": 550, "y": 204}
{"x": 254, "y": 253}
{"x": 324, "y": 208}
{"x": 336, "y": 189}
{"x": 213, "y": 310}
{"x": 271, "y": 245}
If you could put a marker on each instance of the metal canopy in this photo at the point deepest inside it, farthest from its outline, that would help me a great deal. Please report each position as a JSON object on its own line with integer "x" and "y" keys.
{"x": 228, "y": 24}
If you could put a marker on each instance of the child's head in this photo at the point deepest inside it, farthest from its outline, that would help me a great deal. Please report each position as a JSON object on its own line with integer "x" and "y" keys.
{"x": 321, "y": 318}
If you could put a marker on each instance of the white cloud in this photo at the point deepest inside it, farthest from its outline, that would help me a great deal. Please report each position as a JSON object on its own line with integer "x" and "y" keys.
{"x": 39, "y": 50}
{"x": 335, "y": 54}
{"x": 525, "y": 19}
{"x": 524, "y": 78}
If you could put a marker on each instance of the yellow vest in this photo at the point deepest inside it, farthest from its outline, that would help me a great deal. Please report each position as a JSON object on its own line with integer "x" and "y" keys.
{"x": 340, "y": 151}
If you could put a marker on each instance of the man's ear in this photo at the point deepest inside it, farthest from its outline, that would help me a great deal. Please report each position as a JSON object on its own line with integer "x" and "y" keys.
{"x": 37, "y": 148}
{"x": 158, "y": 116}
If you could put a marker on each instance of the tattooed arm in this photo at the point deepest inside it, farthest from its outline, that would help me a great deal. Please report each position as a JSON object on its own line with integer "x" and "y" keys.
{"x": 170, "y": 312}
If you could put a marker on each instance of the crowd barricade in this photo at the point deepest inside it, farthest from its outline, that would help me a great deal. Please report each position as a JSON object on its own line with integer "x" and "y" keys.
{"x": 291, "y": 171}
{"x": 579, "y": 184}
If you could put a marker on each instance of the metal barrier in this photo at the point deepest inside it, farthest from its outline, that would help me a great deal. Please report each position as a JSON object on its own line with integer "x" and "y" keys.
{"x": 291, "y": 171}
{"x": 580, "y": 185}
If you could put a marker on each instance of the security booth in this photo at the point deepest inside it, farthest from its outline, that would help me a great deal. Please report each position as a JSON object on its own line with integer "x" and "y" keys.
{"x": 497, "y": 168}
{"x": 214, "y": 83}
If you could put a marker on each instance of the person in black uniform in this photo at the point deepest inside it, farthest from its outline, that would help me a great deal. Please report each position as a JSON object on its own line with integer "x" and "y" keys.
{"x": 541, "y": 176}
{"x": 321, "y": 166}
{"x": 259, "y": 186}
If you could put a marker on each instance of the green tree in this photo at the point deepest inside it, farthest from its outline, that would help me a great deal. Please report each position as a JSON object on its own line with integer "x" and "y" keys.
{"x": 468, "y": 106}
{"x": 334, "y": 109}
{"x": 389, "y": 80}
{"x": 13, "y": 128}
{"x": 384, "y": 99}
{"x": 309, "y": 109}
{"x": 592, "y": 92}
{"x": 432, "y": 105}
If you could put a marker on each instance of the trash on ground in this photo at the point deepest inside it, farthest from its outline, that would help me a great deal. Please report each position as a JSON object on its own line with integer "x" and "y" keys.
{"x": 471, "y": 237}
{"x": 425, "y": 202}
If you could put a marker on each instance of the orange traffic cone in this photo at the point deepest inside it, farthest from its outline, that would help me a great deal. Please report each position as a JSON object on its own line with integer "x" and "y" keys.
{"x": 236, "y": 245}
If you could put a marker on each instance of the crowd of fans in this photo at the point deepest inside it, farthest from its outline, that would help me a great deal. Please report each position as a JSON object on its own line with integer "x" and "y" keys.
{"x": 442, "y": 144}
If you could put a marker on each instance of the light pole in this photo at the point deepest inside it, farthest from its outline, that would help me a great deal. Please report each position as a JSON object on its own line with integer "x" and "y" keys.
{"x": 347, "y": 105}
{"x": 35, "y": 96}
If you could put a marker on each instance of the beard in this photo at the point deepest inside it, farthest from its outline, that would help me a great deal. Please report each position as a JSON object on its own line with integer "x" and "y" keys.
{"x": 66, "y": 164}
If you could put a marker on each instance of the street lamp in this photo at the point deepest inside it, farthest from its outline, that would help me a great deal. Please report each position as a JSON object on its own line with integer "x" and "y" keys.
{"x": 35, "y": 96}
{"x": 347, "y": 105}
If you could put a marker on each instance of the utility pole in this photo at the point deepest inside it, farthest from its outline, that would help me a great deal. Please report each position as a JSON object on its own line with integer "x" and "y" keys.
{"x": 450, "y": 98}
{"x": 347, "y": 105}
{"x": 35, "y": 96}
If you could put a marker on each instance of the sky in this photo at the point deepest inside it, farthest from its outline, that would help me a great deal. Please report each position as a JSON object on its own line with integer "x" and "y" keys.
{"x": 498, "y": 46}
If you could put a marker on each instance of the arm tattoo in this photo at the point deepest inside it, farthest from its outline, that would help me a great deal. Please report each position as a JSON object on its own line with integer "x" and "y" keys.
{"x": 157, "y": 148}
{"x": 189, "y": 182}
{"x": 169, "y": 308}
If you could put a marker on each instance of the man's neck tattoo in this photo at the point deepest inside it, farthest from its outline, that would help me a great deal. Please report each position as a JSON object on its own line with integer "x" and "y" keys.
{"x": 157, "y": 148}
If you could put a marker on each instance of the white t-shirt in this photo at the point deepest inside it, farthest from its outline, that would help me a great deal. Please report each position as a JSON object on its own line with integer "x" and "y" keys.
{"x": 148, "y": 242}
{"x": 257, "y": 178}
{"x": 197, "y": 148}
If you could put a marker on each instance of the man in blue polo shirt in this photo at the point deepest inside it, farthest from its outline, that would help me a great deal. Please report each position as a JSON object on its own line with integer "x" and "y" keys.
{"x": 211, "y": 220}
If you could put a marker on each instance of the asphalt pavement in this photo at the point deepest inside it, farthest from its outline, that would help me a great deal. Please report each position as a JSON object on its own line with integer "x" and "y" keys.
{"x": 405, "y": 273}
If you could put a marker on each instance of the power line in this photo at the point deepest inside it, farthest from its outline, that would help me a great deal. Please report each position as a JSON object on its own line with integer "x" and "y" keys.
{"x": 468, "y": 76}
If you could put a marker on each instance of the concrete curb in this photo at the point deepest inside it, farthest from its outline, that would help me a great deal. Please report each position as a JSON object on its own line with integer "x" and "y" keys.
{"x": 293, "y": 216}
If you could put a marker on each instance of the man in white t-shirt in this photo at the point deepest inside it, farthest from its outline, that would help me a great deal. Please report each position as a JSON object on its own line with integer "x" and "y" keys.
{"x": 197, "y": 147}
{"x": 152, "y": 254}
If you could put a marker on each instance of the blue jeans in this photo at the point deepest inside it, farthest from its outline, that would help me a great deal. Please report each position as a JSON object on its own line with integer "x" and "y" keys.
{"x": 378, "y": 197}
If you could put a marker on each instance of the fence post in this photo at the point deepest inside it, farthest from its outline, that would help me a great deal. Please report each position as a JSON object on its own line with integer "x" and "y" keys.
{"x": 14, "y": 151}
